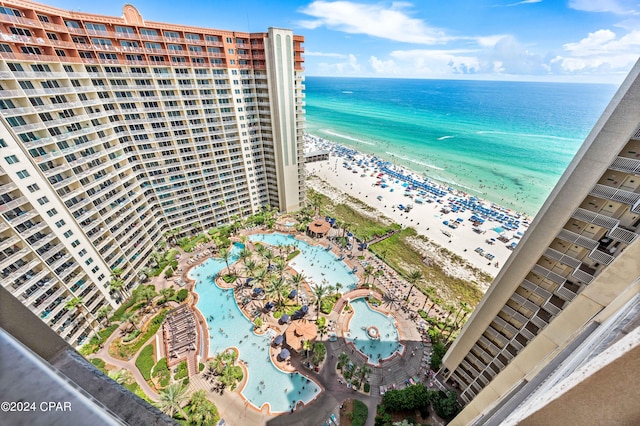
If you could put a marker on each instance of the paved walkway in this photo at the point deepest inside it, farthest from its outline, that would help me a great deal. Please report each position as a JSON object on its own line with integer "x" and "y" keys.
{"x": 128, "y": 365}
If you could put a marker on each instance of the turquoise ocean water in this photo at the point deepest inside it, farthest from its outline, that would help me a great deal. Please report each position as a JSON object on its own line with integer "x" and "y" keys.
{"x": 508, "y": 142}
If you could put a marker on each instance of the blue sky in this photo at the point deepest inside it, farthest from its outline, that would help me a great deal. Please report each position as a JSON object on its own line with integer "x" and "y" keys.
{"x": 540, "y": 40}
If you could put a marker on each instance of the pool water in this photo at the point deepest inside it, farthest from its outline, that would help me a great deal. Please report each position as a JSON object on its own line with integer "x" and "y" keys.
{"x": 228, "y": 327}
{"x": 315, "y": 262}
{"x": 364, "y": 317}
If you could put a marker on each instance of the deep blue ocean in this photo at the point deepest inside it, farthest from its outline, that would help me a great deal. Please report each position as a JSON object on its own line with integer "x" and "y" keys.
{"x": 508, "y": 142}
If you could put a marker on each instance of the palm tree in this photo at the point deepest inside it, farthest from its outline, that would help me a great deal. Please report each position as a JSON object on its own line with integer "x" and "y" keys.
{"x": 225, "y": 255}
{"x": 171, "y": 399}
{"x": 147, "y": 293}
{"x": 217, "y": 363}
{"x": 201, "y": 410}
{"x": 413, "y": 277}
{"x": 307, "y": 345}
{"x": 244, "y": 254}
{"x": 103, "y": 312}
{"x": 297, "y": 280}
{"x": 343, "y": 359}
{"x": 278, "y": 287}
{"x": 77, "y": 303}
{"x": 363, "y": 372}
{"x": 117, "y": 285}
{"x": 429, "y": 293}
{"x": 131, "y": 317}
{"x": 250, "y": 266}
{"x": 261, "y": 277}
{"x": 268, "y": 256}
{"x": 280, "y": 266}
{"x": 167, "y": 293}
{"x": 338, "y": 286}
{"x": 367, "y": 272}
{"x": 319, "y": 291}
{"x": 316, "y": 201}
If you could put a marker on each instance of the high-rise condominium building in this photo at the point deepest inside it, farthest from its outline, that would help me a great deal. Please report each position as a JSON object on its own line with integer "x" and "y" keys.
{"x": 576, "y": 271}
{"x": 115, "y": 130}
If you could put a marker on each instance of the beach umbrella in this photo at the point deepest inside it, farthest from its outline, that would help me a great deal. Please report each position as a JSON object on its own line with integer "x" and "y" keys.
{"x": 278, "y": 340}
{"x": 284, "y": 319}
{"x": 284, "y": 354}
{"x": 293, "y": 294}
{"x": 305, "y": 309}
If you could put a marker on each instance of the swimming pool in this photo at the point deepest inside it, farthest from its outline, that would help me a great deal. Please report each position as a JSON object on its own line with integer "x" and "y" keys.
{"x": 228, "y": 327}
{"x": 315, "y": 262}
{"x": 364, "y": 318}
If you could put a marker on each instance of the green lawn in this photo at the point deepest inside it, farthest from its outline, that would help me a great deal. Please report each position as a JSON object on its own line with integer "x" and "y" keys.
{"x": 398, "y": 253}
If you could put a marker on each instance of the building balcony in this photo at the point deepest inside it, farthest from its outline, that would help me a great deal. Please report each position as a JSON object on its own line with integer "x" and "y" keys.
{"x": 546, "y": 273}
{"x": 618, "y": 195}
{"x": 600, "y": 256}
{"x": 627, "y": 165}
{"x": 574, "y": 238}
{"x": 584, "y": 274}
{"x": 595, "y": 218}
{"x": 622, "y": 235}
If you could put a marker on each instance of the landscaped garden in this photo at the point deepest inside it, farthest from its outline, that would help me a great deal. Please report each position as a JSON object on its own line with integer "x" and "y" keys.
{"x": 413, "y": 405}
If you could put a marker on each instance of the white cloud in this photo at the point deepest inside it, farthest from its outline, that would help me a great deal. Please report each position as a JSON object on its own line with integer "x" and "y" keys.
{"x": 325, "y": 55}
{"x": 600, "y": 52}
{"x": 618, "y": 7}
{"x": 377, "y": 20}
{"x": 348, "y": 67}
{"x": 524, "y": 2}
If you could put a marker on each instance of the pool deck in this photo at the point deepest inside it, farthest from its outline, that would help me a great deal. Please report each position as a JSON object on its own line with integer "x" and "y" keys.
{"x": 392, "y": 371}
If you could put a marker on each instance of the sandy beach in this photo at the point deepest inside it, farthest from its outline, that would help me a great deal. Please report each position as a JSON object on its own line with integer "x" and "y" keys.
{"x": 358, "y": 176}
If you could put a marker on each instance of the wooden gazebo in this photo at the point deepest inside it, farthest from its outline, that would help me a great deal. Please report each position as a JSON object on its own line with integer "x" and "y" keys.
{"x": 319, "y": 228}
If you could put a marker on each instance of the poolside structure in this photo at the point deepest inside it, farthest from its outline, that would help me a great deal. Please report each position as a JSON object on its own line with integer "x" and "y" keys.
{"x": 180, "y": 335}
{"x": 318, "y": 228}
{"x": 298, "y": 332}
{"x": 116, "y": 130}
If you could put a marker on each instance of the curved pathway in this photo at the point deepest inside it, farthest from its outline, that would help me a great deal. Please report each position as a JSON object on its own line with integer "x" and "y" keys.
{"x": 103, "y": 353}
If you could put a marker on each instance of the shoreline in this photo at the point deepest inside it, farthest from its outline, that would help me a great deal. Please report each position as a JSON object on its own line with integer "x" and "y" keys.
{"x": 384, "y": 187}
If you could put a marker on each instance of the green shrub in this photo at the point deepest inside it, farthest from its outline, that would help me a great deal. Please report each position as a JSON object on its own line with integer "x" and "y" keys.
{"x": 161, "y": 372}
{"x": 94, "y": 343}
{"x": 185, "y": 382}
{"x": 182, "y": 371}
{"x": 130, "y": 350}
{"x": 436, "y": 357}
{"x": 293, "y": 254}
{"x": 360, "y": 413}
{"x": 129, "y": 337}
{"x": 200, "y": 367}
{"x": 322, "y": 321}
{"x": 327, "y": 303}
{"x": 446, "y": 404}
{"x": 144, "y": 362}
{"x": 182, "y": 295}
{"x": 367, "y": 387}
{"x": 277, "y": 314}
{"x": 99, "y": 363}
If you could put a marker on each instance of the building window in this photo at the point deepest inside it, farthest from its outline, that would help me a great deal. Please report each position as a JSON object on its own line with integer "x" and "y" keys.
{"x": 171, "y": 34}
{"x": 60, "y": 223}
{"x": 75, "y": 243}
{"x": 95, "y": 269}
{"x": 23, "y": 174}
{"x": 124, "y": 30}
{"x": 5, "y": 48}
{"x": 100, "y": 277}
{"x": 43, "y": 200}
{"x": 12, "y": 159}
{"x": 88, "y": 262}
{"x": 82, "y": 252}
{"x": 68, "y": 234}
{"x": 33, "y": 188}
{"x": 52, "y": 212}
{"x": 20, "y": 31}
{"x": 95, "y": 27}
{"x": 145, "y": 31}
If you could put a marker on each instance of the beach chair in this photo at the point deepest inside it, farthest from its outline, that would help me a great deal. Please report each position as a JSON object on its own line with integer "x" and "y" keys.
{"x": 333, "y": 419}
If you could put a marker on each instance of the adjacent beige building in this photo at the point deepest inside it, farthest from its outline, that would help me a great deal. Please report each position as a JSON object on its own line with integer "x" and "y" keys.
{"x": 576, "y": 267}
{"x": 114, "y": 130}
